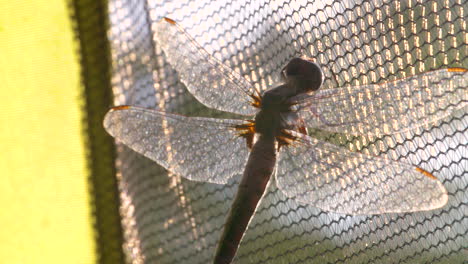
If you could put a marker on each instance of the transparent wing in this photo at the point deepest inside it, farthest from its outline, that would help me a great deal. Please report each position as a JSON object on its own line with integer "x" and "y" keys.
{"x": 387, "y": 108}
{"x": 335, "y": 179}
{"x": 199, "y": 149}
{"x": 211, "y": 82}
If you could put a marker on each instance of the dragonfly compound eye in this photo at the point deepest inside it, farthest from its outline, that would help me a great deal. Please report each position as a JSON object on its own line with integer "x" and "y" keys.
{"x": 304, "y": 74}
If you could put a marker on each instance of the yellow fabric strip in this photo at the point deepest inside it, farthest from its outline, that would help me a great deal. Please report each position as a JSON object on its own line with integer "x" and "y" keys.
{"x": 45, "y": 210}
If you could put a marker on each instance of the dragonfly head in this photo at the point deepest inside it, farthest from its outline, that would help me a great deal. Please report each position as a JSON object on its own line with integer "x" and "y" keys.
{"x": 303, "y": 74}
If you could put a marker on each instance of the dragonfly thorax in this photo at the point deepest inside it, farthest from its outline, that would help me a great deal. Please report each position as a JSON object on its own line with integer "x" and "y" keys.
{"x": 268, "y": 123}
{"x": 274, "y": 107}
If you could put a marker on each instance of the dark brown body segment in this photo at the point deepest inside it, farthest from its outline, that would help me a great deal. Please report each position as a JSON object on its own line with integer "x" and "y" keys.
{"x": 300, "y": 76}
{"x": 257, "y": 173}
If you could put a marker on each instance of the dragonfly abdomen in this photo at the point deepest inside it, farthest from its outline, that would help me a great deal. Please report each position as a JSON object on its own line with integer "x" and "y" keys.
{"x": 258, "y": 170}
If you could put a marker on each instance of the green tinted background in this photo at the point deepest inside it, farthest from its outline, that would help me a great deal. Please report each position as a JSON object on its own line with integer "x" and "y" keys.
{"x": 44, "y": 193}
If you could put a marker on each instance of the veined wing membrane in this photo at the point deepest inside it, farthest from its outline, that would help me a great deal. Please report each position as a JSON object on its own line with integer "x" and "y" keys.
{"x": 199, "y": 149}
{"x": 387, "y": 108}
{"x": 337, "y": 180}
{"x": 211, "y": 82}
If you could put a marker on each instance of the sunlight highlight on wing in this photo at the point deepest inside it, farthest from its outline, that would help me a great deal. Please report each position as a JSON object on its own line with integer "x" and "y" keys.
{"x": 187, "y": 146}
{"x": 211, "y": 82}
{"x": 387, "y": 108}
{"x": 337, "y": 180}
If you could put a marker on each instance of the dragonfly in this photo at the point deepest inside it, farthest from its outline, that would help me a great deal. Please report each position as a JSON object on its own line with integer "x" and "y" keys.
{"x": 274, "y": 141}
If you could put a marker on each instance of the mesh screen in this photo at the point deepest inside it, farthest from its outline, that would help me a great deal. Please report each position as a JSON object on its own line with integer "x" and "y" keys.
{"x": 168, "y": 219}
{"x": 90, "y": 22}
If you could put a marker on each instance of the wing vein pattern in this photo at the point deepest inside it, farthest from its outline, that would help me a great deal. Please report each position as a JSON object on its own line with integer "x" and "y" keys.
{"x": 199, "y": 149}
{"x": 211, "y": 82}
{"x": 337, "y": 180}
{"x": 386, "y": 108}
